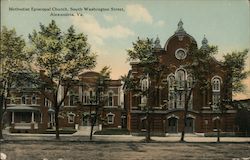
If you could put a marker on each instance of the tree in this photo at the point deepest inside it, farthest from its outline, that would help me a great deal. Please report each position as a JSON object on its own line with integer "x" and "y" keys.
{"x": 101, "y": 86}
{"x": 236, "y": 62}
{"x": 243, "y": 116}
{"x": 200, "y": 68}
{"x": 13, "y": 59}
{"x": 61, "y": 56}
{"x": 143, "y": 52}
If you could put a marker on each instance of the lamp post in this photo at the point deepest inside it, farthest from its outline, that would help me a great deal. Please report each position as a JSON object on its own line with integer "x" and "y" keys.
{"x": 216, "y": 110}
{"x": 101, "y": 82}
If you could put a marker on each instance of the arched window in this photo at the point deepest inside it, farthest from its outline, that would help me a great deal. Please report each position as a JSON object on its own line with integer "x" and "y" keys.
{"x": 110, "y": 99}
{"x": 86, "y": 97}
{"x": 171, "y": 92}
{"x": 71, "y": 117}
{"x": 180, "y": 75}
{"x": 89, "y": 96}
{"x": 144, "y": 87}
{"x": 33, "y": 99}
{"x": 110, "y": 118}
{"x": 216, "y": 84}
{"x": 216, "y": 88}
{"x": 144, "y": 84}
{"x": 180, "y": 78}
{"x": 189, "y": 82}
{"x": 71, "y": 100}
{"x": 171, "y": 81}
{"x": 23, "y": 99}
{"x": 172, "y": 99}
{"x": 92, "y": 96}
{"x": 47, "y": 102}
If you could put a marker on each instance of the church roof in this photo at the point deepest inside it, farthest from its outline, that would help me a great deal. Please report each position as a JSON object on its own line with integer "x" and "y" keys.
{"x": 180, "y": 33}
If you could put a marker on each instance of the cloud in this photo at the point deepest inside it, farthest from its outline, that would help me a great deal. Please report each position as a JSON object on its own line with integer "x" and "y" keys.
{"x": 138, "y": 13}
{"x": 108, "y": 18}
{"x": 90, "y": 26}
{"x": 160, "y": 23}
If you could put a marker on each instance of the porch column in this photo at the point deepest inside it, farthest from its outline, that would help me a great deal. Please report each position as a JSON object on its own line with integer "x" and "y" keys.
{"x": 41, "y": 121}
{"x": 32, "y": 117}
{"x": 13, "y": 117}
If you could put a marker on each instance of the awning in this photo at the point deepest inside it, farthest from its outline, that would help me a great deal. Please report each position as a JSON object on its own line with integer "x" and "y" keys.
{"x": 22, "y": 109}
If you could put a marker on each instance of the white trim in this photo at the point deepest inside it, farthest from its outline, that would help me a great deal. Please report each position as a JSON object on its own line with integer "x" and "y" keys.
{"x": 32, "y": 117}
{"x": 180, "y": 49}
{"x": 110, "y": 106}
{"x": 13, "y": 117}
{"x": 191, "y": 116}
{"x": 171, "y": 74}
{"x": 216, "y": 118}
{"x": 71, "y": 114}
{"x": 212, "y": 82}
{"x": 113, "y": 118}
{"x": 185, "y": 72}
{"x": 41, "y": 118}
{"x": 172, "y": 116}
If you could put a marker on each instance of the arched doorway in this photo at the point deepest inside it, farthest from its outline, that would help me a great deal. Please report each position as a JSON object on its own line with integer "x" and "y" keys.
{"x": 172, "y": 125}
{"x": 189, "y": 125}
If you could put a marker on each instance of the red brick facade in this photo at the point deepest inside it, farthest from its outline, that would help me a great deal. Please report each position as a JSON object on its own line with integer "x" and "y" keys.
{"x": 30, "y": 112}
{"x": 168, "y": 105}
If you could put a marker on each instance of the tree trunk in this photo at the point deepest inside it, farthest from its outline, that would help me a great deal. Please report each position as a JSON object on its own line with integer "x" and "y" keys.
{"x": 187, "y": 98}
{"x": 57, "y": 123}
{"x": 148, "y": 136}
{"x": 93, "y": 123}
{"x": 184, "y": 126}
{"x": 218, "y": 131}
{"x": 1, "y": 115}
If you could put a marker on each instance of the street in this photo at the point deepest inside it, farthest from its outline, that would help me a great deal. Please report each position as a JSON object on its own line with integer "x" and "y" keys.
{"x": 66, "y": 150}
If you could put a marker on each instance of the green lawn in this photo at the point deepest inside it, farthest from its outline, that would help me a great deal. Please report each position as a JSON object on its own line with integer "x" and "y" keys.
{"x": 62, "y": 131}
{"x": 113, "y": 131}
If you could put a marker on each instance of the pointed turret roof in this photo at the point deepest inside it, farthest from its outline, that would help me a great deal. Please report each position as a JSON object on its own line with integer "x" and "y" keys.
{"x": 204, "y": 43}
{"x": 157, "y": 43}
{"x": 180, "y": 29}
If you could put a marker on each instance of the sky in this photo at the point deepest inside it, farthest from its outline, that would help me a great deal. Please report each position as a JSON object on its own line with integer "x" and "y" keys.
{"x": 112, "y": 25}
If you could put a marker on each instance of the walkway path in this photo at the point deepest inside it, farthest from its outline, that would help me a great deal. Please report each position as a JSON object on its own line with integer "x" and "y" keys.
{"x": 78, "y": 137}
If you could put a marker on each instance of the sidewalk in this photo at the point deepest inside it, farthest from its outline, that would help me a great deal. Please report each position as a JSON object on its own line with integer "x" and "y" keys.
{"x": 78, "y": 137}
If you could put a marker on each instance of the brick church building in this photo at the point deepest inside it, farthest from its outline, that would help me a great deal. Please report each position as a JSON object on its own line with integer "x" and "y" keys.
{"x": 29, "y": 111}
{"x": 168, "y": 104}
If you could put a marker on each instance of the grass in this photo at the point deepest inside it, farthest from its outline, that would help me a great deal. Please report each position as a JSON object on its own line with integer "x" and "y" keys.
{"x": 112, "y": 131}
